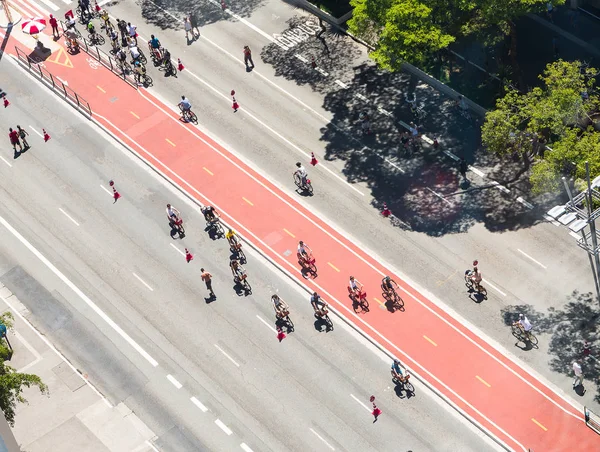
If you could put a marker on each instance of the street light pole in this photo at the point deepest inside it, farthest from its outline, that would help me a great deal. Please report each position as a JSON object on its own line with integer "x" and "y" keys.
{"x": 592, "y": 223}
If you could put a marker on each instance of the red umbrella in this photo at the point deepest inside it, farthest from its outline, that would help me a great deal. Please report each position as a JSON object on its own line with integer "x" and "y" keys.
{"x": 33, "y": 26}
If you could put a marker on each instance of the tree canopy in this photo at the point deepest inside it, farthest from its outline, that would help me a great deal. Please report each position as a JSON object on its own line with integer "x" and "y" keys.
{"x": 410, "y": 30}
{"x": 553, "y": 123}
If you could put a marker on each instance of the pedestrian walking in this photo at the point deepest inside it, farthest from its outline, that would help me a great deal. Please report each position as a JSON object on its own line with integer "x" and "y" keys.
{"x": 376, "y": 411}
{"x": 463, "y": 168}
{"x": 122, "y": 26}
{"x": 23, "y": 134}
{"x": 578, "y": 380}
{"x": 248, "y": 56}
{"x": 54, "y": 25}
{"x": 188, "y": 29}
{"x": 132, "y": 31}
{"x": 207, "y": 278}
{"x": 194, "y": 25}
{"x": 13, "y": 135}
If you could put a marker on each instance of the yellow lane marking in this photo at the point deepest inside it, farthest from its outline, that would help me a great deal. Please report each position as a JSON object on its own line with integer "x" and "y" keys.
{"x": 539, "y": 425}
{"x": 247, "y": 201}
{"x": 207, "y": 170}
{"x": 333, "y": 266}
{"x": 429, "y": 340}
{"x": 379, "y": 301}
{"x": 101, "y": 89}
{"x": 289, "y": 233}
{"x": 483, "y": 381}
{"x": 170, "y": 142}
{"x": 134, "y": 115}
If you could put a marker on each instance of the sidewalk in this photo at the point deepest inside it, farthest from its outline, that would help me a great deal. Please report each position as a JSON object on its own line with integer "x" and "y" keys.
{"x": 74, "y": 416}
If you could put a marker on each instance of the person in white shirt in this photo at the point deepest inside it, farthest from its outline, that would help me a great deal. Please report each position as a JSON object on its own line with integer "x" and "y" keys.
{"x": 525, "y": 323}
{"x": 132, "y": 31}
{"x": 578, "y": 380}
{"x": 301, "y": 171}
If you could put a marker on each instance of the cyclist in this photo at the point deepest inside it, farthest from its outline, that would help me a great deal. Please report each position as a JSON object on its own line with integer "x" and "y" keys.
{"x": 282, "y": 310}
{"x": 139, "y": 70}
{"x": 233, "y": 240}
{"x": 304, "y": 252}
{"x": 121, "y": 56}
{"x": 155, "y": 46}
{"x": 135, "y": 54}
{"x": 185, "y": 106}
{"x": 90, "y": 28}
{"x": 301, "y": 171}
{"x": 238, "y": 272}
{"x": 397, "y": 372}
{"x": 476, "y": 276}
{"x": 105, "y": 17}
{"x": 210, "y": 214}
{"x": 166, "y": 60}
{"x": 355, "y": 287}
{"x": 315, "y": 301}
{"x": 114, "y": 39}
{"x": 389, "y": 286}
{"x": 524, "y": 324}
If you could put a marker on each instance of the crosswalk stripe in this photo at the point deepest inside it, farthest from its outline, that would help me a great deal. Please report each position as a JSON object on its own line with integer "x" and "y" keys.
{"x": 50, "y": 5}
{"x": 24, "y": 10}
{"x": 30, "y": 8}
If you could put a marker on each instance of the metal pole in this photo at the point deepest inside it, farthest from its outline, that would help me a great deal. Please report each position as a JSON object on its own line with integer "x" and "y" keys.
{"x": 592, "y": 222}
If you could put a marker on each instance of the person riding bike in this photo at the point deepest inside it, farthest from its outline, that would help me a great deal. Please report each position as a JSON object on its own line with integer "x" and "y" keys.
{"x": 114, "y": 39}
{"x": 139, "y": 70}
{"x": 135, "y": 54}
{"x": 210, "y": 214}
{"x": 397, "y": 372}
{"x": 389, "y": 285}
{"x": 166, "y": 60}
{"x": 90, "y": 28}
{"x": 238, "y": 272}
{"x": 304, "y": 252}
{"x": 155, "y": 46}
{"x": 185, "y": 106}
{"x": 232, "y": 238}
{"x": 355, "y": 287}
{"x": 476, "y": 276}
{"x": 173, "y": 215}
{"x": 106, "y": 18}
{"x": 524, "y": 324}
{"x": 301, "y": 171}
{"x": 315, "y": 301}
{"x": 282, "y": 310}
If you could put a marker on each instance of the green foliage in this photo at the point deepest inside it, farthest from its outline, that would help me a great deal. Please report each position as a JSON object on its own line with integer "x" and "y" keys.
{"x": 411, "y": 30}
{"x": 12, "y": 383}
{"x": 556, "y": 114}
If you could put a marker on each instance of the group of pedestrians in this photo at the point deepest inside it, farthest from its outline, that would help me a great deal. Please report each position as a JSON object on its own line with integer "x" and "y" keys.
{"x": 17, "y": 137}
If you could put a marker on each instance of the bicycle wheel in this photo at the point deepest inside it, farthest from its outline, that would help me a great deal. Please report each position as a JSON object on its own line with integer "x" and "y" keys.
{"x": 290, "y": 324}
{"x": 297, "y": 181}
{"x": 409, "y": 387}
{"x": 247, "y": 286}
{"x": 312, "y": 268}
{"x": 147, "y": 80}
{"x": 241, "y": 255}
{"x": 532, "y": 339}
{"x": 192, "y": 117}
{"x": 398, "y": 301}
{"x": 516, "y": 331}
{"x": 309, "y": 188}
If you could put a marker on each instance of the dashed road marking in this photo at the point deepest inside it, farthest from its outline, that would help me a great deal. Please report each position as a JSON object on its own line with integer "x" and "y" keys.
{"x": 379, "y": 301}
{"x": 101, "y": 89}
{"x": 361, "y": 97}
{"x": 476, "y": 171}
{"x": 439, "y": 196}
{"x": 532, "y": 259}
{"x": 177, "y": 249}
{"x": 500, "y": 187}
{"x": 342, "y": 84}
{"x": 106, "y": 190}
{"x": 6, "y": 161}
{"x": 301, "y": 58}
{"x": 173, "y": 380}
{"x": 451, "y": 155}
{"x": 483, "y": 381}
{"x": 539, "y": 425}
{"x": 318, "y": 69}
{"x": 134, "y": 115}
{"x": 245, "y": 447}
{"x": 266, "y": 323}
{"x": 322, "y": 439}
{"x": 493, "y": 287}
{"x": 430, "y": 341}
{"x": 144, "y": 282}
{"x": 37, "y": 133}
{"x": 207, "y": 170}
{"x": 226, "y": 355}
{"x": 289, "y": 233}
{"x": 199, "y": 404}
{"x": 394, "y": 165}
{"x": 223, "y": 427}
{"x": 249, "y": 202}
{"x": 68, "y": 216}
{"x": 333, "y": 266}
{"x": 385, "y": 112}
{"x": 525, "y": 203}
{"x": 170, "y": 142}
{"x": 362, "y": 404}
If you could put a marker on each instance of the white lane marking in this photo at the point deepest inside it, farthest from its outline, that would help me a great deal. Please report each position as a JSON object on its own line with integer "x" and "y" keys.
{"x": 199, "y": 404}
{"x": 223, "y": 427}
{"x": 451, "y": 155}
{"x": 363, "y": 405}
{"x": 385, "y": 112}
{"x": 361, "y": 97}
{"x": 53, "y": 348}
{"x": 426, "y": 139}
{"x": 301, "y": 58}
{"x": 525, "y": 203}
{"x": 322, "y": 439}
{"x": 342, "y": 84}
{"x": 476, "y": 171}
{"x": 266, "y": 323}
{"x": 34, "y": 10}
{"x": 50, "y": 5}
{"x": 394, "y": 165}
{"x": 227, "y": 356}
{"x": 38, "y": 133}
{"x": 270, "y": 129}
{"x": 245, "y": 447}
{"x": 500, "y": 187}
{"x": 143, "y": 282}
{"x": 177, "y": 249}
{"x": 439, "y": 196}
{"x": 173, "y": 380}
{"x": 29, "y": 347}
{"x": 532, "y": 259}
{"x": 147, "y": 442}
{"x": 318, "y": 69}
{"x": 68, "y": 216}
{"x": 106, "y": 189}
{"x": 6, "y": 161}
{"x": 416, "y": 297}
{"x": 493, "y": 287}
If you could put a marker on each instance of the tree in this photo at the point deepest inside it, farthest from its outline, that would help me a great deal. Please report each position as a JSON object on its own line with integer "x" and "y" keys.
{"x": 12, "y": 382}
{"x": 557, "y": 114}
{"x": 411, "y": 30}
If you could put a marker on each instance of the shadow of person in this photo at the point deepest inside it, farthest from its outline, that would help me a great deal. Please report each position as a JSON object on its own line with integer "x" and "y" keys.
{"x": 579, "y": 390}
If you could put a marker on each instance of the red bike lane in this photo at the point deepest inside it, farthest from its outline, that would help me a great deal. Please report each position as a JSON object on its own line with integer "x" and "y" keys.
{"x": 493, "y": 390}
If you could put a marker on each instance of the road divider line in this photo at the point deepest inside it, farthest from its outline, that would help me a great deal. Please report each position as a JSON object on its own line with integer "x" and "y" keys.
{"x": 79, "y": 293}
{"x": 68, "y": 216}
{"x": 6, "y": 161}
{"x": 106, "y": 190}
{"x": 170, "y": 142}
{"x": 289, "y": 233}
{"x": 266, "y": 323}
{"x": 177, "y": 249}
{"x": 207, "y": 170}
{"x": 532, "y": 259}
{"x": 493, "y": 287}
{"x": 101, "y": 89}
{"x": 394, "y": 165}
{"x": 245, "y": 447}
{"x": 249, "y": 202}
{"x": 342, "y": 84}
{"x": 539, "y": 425}
{"x": 483, "y": 381}
{"x": 134, "y": 115}
{"x": 227, "y": 356}
{"x": 430, "y": 341}
{"x": 322, "y": 439}
{"x": 333, "y": 266}
{"x": 439, "y": 196}
{"x": 173, "y": 380}
{"x": 362, "y": 404}
{"x": 301, "y": 58}
{"x": 144, "y": 282}
{"x": 223, "y": 427}
{"x": 379, "y": 301}
{"x": 199, "y": 404}
{"x": 36, "y": 132}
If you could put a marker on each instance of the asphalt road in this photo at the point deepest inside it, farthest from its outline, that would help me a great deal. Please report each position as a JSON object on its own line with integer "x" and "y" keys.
{"x": 117, "y": 262}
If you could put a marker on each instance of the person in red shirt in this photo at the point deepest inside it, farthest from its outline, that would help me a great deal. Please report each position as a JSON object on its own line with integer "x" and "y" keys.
{"x": 54, "y": 25}
{"x": 248, "y": 56}
{"x": 13, "y": 135}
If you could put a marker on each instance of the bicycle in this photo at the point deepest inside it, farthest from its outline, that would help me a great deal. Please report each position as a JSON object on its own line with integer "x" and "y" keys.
{"x": 403, "y": 382}
{"x": 358, "y": 300}
{"x": 177, "y": 225}
{"x": 396, "y": 302}
{"x": 241, "y": 278}
{"x": 96, "y": 39}
{"x": 304, "y": 187}
{"x": 473, "y": 285}
{"x": 189, "y": 116}
{"x": 519, "y": 332}
{"x": 238, "y": 251}
{"x": 143, "y": 79}
{"x": 323, "y": 316}
{"x": 308, "y": 265}
{"x": 284, "y": 320}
